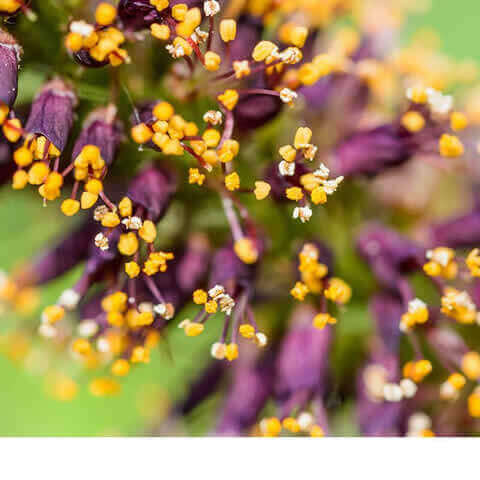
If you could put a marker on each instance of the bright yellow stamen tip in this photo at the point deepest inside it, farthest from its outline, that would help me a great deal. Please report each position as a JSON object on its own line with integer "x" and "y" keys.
{"x": 132, "y": 269}
{"x": 232, "y": 181}
{"x": 101, "y": 387}
{"x": 200, "y": 297}
{"x": 194, "y": 329}
{"x": 450, "y": 146}
{"x": 70, "y": 207}
{"x": 148, "y": 231}
{"x": 141, "y": 133}
{"x": 128, "y": 244}
{"x": 262, "y": 190}
{"x": 246, "y": 250}
{"x": 105, "y": 14}
{"x": 247, "y": 331}
{"x": 231, "y": 352}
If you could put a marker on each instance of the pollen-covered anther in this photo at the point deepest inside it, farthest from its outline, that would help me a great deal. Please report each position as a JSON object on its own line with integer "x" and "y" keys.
{"x": 299, "y": 291}
{"x": 270, "y": 427}
{"x": 450, "y": 146}
{"x": 288, "y": 96}
{"x": 286, "y": 169}
{"x": 392, "y": 392}
{"x": 229, "y": 99}
{"x": 247, "y": 331}
{"x": 246, "y": 250}
{"x": 262, "y": 190}
{"x": 132, "y": 223}
{"x": 52, "y": 314}
{"x": 211, "y": 7}
{"x": 101, "y": 241}
{"x": 241, "y": 68}
{"x": 261, "y": 339}
{"x": 302, "y": 213}
{"x": 213, "y": 117}
{"x": 321, "y": 320}
{"x": 231, "y": 352}
{"x": 105, "y": 14}
{"x": 69, "y": 299}
{"x": 218, "y": 350}
{"x": 228, "y": 30}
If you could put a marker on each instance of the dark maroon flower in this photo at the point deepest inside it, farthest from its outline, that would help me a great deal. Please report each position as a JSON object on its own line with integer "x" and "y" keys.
{"x": 458, "y": 232}
{"x": 389, "y": 255}
{"x": 10, "y": 53}
{"x": 370, "y": 152}
{"x": 302, "y": 361}
{"x": 102, "y": 130}
{"x": 52, "y": 113}
{"x": 152, "y": 190}
{"x": 251, "y": 387}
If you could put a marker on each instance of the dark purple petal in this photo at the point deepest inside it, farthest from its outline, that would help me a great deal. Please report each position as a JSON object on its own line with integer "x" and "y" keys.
{"x": 302, "y": 361}
{"x": 7, "y": 167}
{"x": 52, "y": 113}
{"x": 104, "y": 131}
{"x": 280, "y": 183}
{"x": 458, "y": 232}
{"x": 10, "y": 53}
{"x": 371, "y": 151}
{"x": 152, "y": 189}
{"x": 386, "y": 310}
{"x": 249, "y": 33}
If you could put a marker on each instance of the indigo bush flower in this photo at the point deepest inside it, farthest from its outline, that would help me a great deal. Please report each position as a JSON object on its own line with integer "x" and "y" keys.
{"x": 215, "y": 160}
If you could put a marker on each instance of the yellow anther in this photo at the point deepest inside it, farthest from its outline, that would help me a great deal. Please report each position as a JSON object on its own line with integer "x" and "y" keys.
{"x": 20, "y": 180}
{"x": 128, "y": 244}
{"x": 474, "y": 403}
{"x": 190, "y": 129}
{"x": 110, "y": 220}
{"x": 473, "y": 262}
{"x": 262, "y": 190}
{"x": 303, "y": 137}
{"x": 23, "y": 157}
{"x": 318, "y": 195}
{"x": 211, "y": 306}
{"x": 195, "y": 177}
{"x": 12, "y": 129}
{"x": 193, "y": 329}
{"x": 120, "y": 367}
{"x": 321, "y": 320}
{"x": 232, "y": 181}
{"x": 228, "y": 30}
{"x": 4, "y": 111}
{"x": 432, "y": 269}
{"x": 457, "y": 381}
{"x": 160, "y": 4}
{"x": 180, "y": 42}
{"x": 338, "y": 291}
{"x": 292, "y": 34}
{"x": 247, "y": 331}
{"x": 212, "y": 61}
{"x": 163, "y": 111}
{"x": 38, "y": 173}
{"x": 317, "y": 431}
{"x": 294, "y": 193}
{"x": 94, "y": 186}
{"x": 116, "y": 319}
{"x": 132, "y": 269}
{"x": 246, "y": 250}
{"x": 105, "y": 14}
{"x": 231, "y": 352}
{"x": 211, "y": 137}
{"x": 142, "y": 319}
{"x": 413, "y": 121}
{"x": 458, "y": 121}
{"x": 148, "y": 231}
{"x": 179, "y": 11}
{"x": 162, "y": 32}
{"x": 74, "y": 42}
{"x": 471, "y": 365}
{"x": 53, "y": 314}
{"x": 417, "y": 95}
{"x": 228, "y": 99}
{"x": 70, "y": 207}
{"x": 102, "y": 387}
{"x": 263, "y": 50}
{"x": 81, "y": 346}
{"x": 141, "y": 133}
{"x": 288, "y": 153}
{"x": 116, "y": 302}
{"x": 172, "y": 147}
{"x": 271, "y": 427}
{"x": 125, "y": 207}
{"x": 291, "y": 425}
{"x": 88, "y": 200}
{"x": 140, "y": 355}
{"x": 210, "y": 156}
{"x": 200, "y": 297}
{"x": 299, "y": 291}
{"x": 450, "y": 146}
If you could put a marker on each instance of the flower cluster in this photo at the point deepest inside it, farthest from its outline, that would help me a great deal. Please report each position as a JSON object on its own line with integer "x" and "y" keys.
{"x": 208, "y": 120}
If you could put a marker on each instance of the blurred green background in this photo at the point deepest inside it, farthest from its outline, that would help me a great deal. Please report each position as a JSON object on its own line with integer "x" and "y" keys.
{"x": 25, "y": 407}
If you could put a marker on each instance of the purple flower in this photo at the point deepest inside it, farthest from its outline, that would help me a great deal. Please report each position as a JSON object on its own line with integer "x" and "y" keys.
{"x": 250, "y": 388}
{"x": 151, "y": 190}
{"x": 457, "y": 232}
{"x": 51, "y": 115}
{"x": 386, "y": 310}
{"x": 10, "y": 53}
{"x": 389, "y": 255}
{"x": 370, "y": 152}
{"x": 102, "y": 130}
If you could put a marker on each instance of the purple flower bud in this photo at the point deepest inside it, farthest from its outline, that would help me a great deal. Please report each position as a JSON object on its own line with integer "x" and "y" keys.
{"x": 372, "y": 151}
{"x": 302, "y": 361}
{"x": 458, "y": 232}
{"x": 56, "y": 261}
{"x": 388, "y": 254}
{"x": 386, "y": 310}
{"x": 251, "y": 386}
{"x": 102, "y": 130}
{"x": 10, "y": 53}
{"x": 52, "y": 113}
{"x": 152, "y": 190}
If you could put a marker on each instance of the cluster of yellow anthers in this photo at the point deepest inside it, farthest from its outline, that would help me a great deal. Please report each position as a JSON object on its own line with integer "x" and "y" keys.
{"x": 102, "y": 40}
{"x": 440, "y": 105}
{"x": 170, "y": 131}
{"x": 303, "y": 424}
{"x": 441, "y": 263}
{"x": 313, "y": 280}
{"x": 316, "y": 184}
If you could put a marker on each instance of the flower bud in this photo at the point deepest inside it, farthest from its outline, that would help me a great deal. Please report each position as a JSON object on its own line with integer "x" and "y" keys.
{"x": 10, "y": 53}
